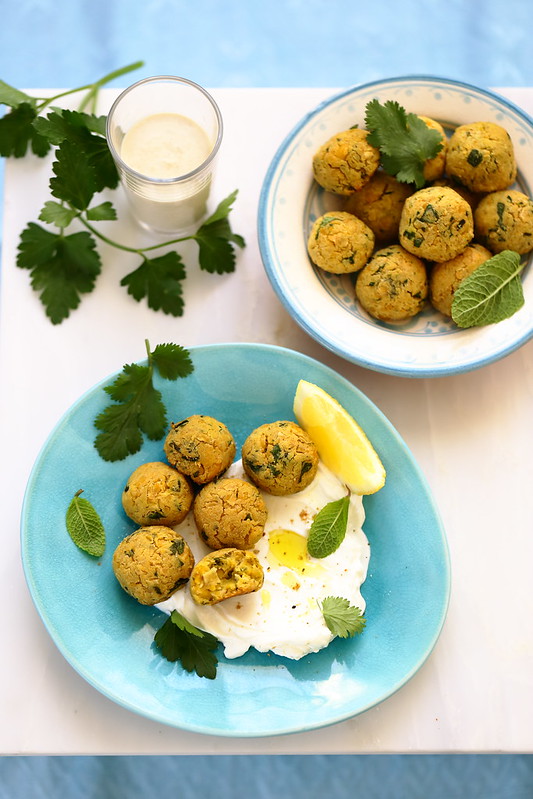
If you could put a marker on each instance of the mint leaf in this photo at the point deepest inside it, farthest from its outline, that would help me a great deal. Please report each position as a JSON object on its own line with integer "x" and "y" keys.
{"x": 404, "y": 140}
{"x": 62, "y": 268}
{"x": 172, "y": 361}
{"x": 179, "y": 640}
{"x": 57, "y": 214}
{"x": 85, "y": 526}
{"x": 342, "y": 619}
{"x": 159, "y": 280}
{"x": 17, "y": 133}
{"x": 328, "y": 528}
{"x": 491, "y": 293}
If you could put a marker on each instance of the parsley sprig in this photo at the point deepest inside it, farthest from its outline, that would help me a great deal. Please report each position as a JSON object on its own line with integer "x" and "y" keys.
{"x": 404, "y": 140}
{"x": 64, "y": 266}
{"x": 178, "y": 639}
{"x": 138, "y": 406}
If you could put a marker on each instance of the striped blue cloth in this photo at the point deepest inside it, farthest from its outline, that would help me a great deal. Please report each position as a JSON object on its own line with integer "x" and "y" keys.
{"x": 46, "y": 43}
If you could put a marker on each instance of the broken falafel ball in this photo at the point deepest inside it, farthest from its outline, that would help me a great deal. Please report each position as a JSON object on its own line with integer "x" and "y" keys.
{"x": 225, "y": 573}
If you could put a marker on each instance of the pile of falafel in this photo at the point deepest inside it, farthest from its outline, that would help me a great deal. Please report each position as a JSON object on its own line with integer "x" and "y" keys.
{"x": 408, "y": 246}
{"x": 230, "y": 513}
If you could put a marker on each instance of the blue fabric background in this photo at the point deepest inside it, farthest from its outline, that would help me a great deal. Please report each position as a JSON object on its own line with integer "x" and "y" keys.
{"x": 60, "y": 43}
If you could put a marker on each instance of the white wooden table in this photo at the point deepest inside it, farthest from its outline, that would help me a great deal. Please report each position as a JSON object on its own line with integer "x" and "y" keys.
{"x": 472, "y": 435}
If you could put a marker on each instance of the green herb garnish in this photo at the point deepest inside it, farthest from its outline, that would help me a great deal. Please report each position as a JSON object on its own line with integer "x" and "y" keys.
{"x": 328, "y": 528}
{"x": 85, "y": 526}
{"x": 404, "y": 140}
{"x": 64, "y": 267}
{"x": 491, "y": 293}
{"x": 137, "y": 406}
{"x": 342, "y": 619}
{"x": 179, "y": 640}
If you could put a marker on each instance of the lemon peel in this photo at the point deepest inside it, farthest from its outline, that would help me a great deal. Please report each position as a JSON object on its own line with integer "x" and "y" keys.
{"x": 342, "y": 444}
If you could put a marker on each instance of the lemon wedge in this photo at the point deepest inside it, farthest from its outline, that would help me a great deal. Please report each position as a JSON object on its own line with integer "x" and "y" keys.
{"x": 341, "y": 443}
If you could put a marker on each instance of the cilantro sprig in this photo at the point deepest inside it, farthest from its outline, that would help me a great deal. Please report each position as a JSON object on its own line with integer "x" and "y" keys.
{"x": 403, "y": 139}
{"x": 178, "y": 639}
{"x": 342, "y": 619}
{"x": 138, "y": 406}
{"x": 65, "y": 266}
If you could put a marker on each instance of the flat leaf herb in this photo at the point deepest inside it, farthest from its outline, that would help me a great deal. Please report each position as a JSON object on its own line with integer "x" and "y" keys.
{"x": 64, "y": 267}
{"x": 178, "y": 639}
{"x": 403, "y": 139}
{"x": 137, "y": 406}
{"x": 491, "y": 293}
{"x": 85, "y": 526}
{"x": 342, "y": 619}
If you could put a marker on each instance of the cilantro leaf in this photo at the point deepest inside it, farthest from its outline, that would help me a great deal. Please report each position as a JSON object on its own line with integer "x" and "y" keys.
{"x": 102, "y": 212}
{"x": 79, "y": 129}
{"x": 85, "y": 526}
{"x": 75, "y": 180}
{"x": 404, "y": 140}
{"x": 61, "y": 267}
{"x": 17, "y": 133}
{"x": 179, "y": 640}
{"x": 57, "y": 214}
{"x": 215, "y": 239}
{"x": 491, "y": 293}
{"x": 172, "y": 361}
{"x": 138, "y": 404}
{"x": 159, "y": 280}
{"x": 328, "y": 528}
{"x": 13, "y": 97}
{"x": 342, "y": 619}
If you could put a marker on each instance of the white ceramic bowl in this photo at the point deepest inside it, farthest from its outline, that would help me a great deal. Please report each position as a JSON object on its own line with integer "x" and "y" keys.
{"x": 323, "y": 304}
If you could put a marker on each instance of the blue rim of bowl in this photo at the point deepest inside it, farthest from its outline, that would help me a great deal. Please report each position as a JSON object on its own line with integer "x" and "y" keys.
{"x": 340, "y": 717}
{"x": 264, "y": 198}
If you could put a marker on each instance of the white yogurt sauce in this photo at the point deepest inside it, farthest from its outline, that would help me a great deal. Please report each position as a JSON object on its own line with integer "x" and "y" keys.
{"x": 165, "y": 146}
{"x": 284, "y": 616}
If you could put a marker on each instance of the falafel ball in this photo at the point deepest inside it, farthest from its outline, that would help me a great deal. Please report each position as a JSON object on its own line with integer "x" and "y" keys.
{"x": 225, "y": 573}
{"x": 200, "y": 447}
{"x": 393, "y": 286}
{"x": 379, "y": 205}
{"x": 434, "y": 167}
{"x": 339, "y": 242}
{"x": 504, "y": 221}
{"x": 436, "y": 223}
{"x": 280, "y": 458}
{"x": 345, "y": 162}
{"x": 444, "y": 278}
{"x": 151, "y": 563}
{"x": 156, "y": 493}
{"x": 481, "y": 157}
{"x": 230, "y": 513}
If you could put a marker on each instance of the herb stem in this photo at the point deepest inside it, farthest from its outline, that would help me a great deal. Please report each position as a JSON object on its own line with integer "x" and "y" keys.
{"x": 138, "y": 250}
{"x": 90, "y": 88}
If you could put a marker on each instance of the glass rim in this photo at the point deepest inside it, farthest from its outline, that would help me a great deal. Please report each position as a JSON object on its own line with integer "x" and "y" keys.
{"x": 165, "y": 79}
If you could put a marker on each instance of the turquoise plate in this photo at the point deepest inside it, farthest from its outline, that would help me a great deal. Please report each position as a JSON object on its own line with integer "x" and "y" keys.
{"x": 108, "y": 637}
